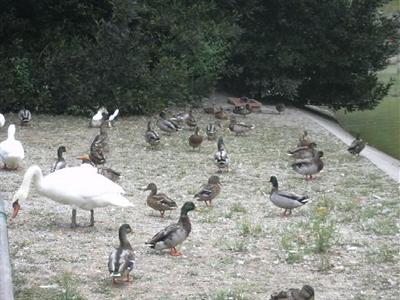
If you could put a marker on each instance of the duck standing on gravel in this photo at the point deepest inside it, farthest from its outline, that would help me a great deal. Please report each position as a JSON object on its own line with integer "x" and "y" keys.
{"x": 60, "y": 162}
{"x": 159, "y": 201}
{"x": 305, "y": 152}
{"x": 25, "y": 116}
{"x": 11, "y": 151}
{"x": 122, "y": 259}
{"x": 151, "y": 137}
{"x": 356, "y": 146}
{"x": 211, "y": 130}
{"x": 106, "y": 172}
{"x": 221, "y": 156}
{"x": 306, "y": 293}
{"x": 166, "y": 125}
{"x": 309, "y": 167}
{"x": 285, "y": 200}
{"x": 191, "y": 120}
{"x": 239, "y": 128}
{"x": 195, "y": 139}
{"x": 280, "y": 107}
{"x": 174, "y": 234}
{"x": 209, "y": 191}
{"x": 304, "y": 140}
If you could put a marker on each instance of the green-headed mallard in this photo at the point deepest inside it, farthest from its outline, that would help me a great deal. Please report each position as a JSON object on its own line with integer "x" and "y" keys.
{"x": 60, "y": 162}
{"x": 221, "y": 114}
{"x": 151, "y": 136}
{"x": 122, "y": 259}
{"x": 195, "y": 139}
{"x": 306, "y": 293}
{"x": 159, "y": 201}
{"x": 356, "y": 146}
{"x": 304, "y": 140}
{"x": 309, "y": 167}
{"x": 25, "y": 116}
{"x": 285, "y": 200}
{"x": 166, "y": 125}
{"x": 11, "y": 151}
{"x": 174, "y": 234}
{"x": 304, "y": 152}
{"x": 221, "y": 156}
{"x": 280, "y": 107}
{"x": 239, "y": 128}
{"x": 209, "y": 191}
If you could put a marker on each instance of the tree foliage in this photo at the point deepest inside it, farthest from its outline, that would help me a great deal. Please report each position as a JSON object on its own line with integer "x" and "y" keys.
{"x": 72, "y": 56}
{"x": 318, "y": 52}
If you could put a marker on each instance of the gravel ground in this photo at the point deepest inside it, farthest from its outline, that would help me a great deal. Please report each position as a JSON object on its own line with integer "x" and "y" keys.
{"x": 345, "y": 242}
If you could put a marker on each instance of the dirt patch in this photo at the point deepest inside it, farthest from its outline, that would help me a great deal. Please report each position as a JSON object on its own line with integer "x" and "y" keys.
{"x": 344, "y": 243}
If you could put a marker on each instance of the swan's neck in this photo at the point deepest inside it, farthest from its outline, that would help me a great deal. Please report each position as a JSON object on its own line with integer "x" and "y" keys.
{"x": 33, "y": 174}
{"x": 11, "y": 133}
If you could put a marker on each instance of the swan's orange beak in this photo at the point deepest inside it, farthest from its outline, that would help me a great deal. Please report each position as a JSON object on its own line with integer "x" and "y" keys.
{"x": 16, "y": 208}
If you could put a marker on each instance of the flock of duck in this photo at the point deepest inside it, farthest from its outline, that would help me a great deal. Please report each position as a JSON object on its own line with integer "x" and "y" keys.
{"x": 92, "y": 186}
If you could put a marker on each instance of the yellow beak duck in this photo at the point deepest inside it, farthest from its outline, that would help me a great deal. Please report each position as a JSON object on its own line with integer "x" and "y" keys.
{"x": 285, "y": 200}
{"x": 122, "y": 259}
{"x": 159, "y": 201}
{"x": 174, "y": 234}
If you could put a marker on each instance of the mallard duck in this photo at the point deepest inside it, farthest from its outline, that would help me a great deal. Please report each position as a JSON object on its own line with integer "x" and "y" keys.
{"x": 209, "y": 191}
{"x": 211, "y": 130}
{"x": 159, "y": 201}
{"x": 280, "y": 107}
{"x": 79, "y": 187}
{"x": 195, "y": 139}
{"x": 112, "y": 118}
{"x": 304, "y": 140}
{"x": 309, "y": 167}
{"x": 242, "y": 110}
{"x": 356, "y": 146}
{"x": 11, "y": 151}
{"x": 221, "y": 156}
{"x": 304, "y": 152}
{"x": 122, "y": 259}
{"x": 174, "y": 234}
{"x": 2, "y": 120}
{"x": 191, "y": 120}
{"x": 151, "y": 136}
{"x": 25, "y": 116}
{"x": 99, "y": 118}
{"x": 165, "y": 125}
{"x": 101, "y": 140}
{"x": 306, "y": 293}
{"x": 285, "y": 200}
{"x": 106, "y": 172}
{"x": 239, "y": 128}
{"x": 60, "y": 162}
{"x": 221, "y": 114}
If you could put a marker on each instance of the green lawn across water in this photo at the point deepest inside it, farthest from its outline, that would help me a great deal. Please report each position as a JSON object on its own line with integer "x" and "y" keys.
{"x": 379, "y": 127}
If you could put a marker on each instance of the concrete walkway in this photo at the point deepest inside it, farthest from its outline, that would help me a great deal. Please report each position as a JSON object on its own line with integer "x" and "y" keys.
{"x": 386, "y": 163}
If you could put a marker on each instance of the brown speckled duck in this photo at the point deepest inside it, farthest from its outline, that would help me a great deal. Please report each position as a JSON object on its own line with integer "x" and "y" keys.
{"x": 305, "y": 152}
{"x": 209, "y": 191}
{"x": 239, "y": 128}
{"x": 195, "y": 139}
{"x": 309, "y": 167}
{"x": 159, "y": 201}
{"x": 304, "y": 140}
{"x": 221, "y": 114}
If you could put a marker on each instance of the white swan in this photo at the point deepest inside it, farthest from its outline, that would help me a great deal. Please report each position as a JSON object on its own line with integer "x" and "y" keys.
{"x": 79, "y": 187}
{"x": 2, "y": 120}
{"x": 11, "y": 151}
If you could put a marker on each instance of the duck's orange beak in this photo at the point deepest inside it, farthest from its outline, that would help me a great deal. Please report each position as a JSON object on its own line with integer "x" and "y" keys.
{"x": 16, "y": 208}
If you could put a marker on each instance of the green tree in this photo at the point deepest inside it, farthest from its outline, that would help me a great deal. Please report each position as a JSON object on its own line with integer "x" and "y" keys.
{"x": 313, "y": 51}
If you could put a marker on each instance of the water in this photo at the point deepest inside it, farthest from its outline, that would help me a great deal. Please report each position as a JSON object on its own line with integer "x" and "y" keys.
{"x": 379, "y": 127}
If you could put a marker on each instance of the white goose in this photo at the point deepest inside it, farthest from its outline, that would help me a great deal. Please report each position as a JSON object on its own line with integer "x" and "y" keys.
{"x": 11, "y": 151}
{"x": 80, "y": 187}
{"x": 99, "y": 117}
